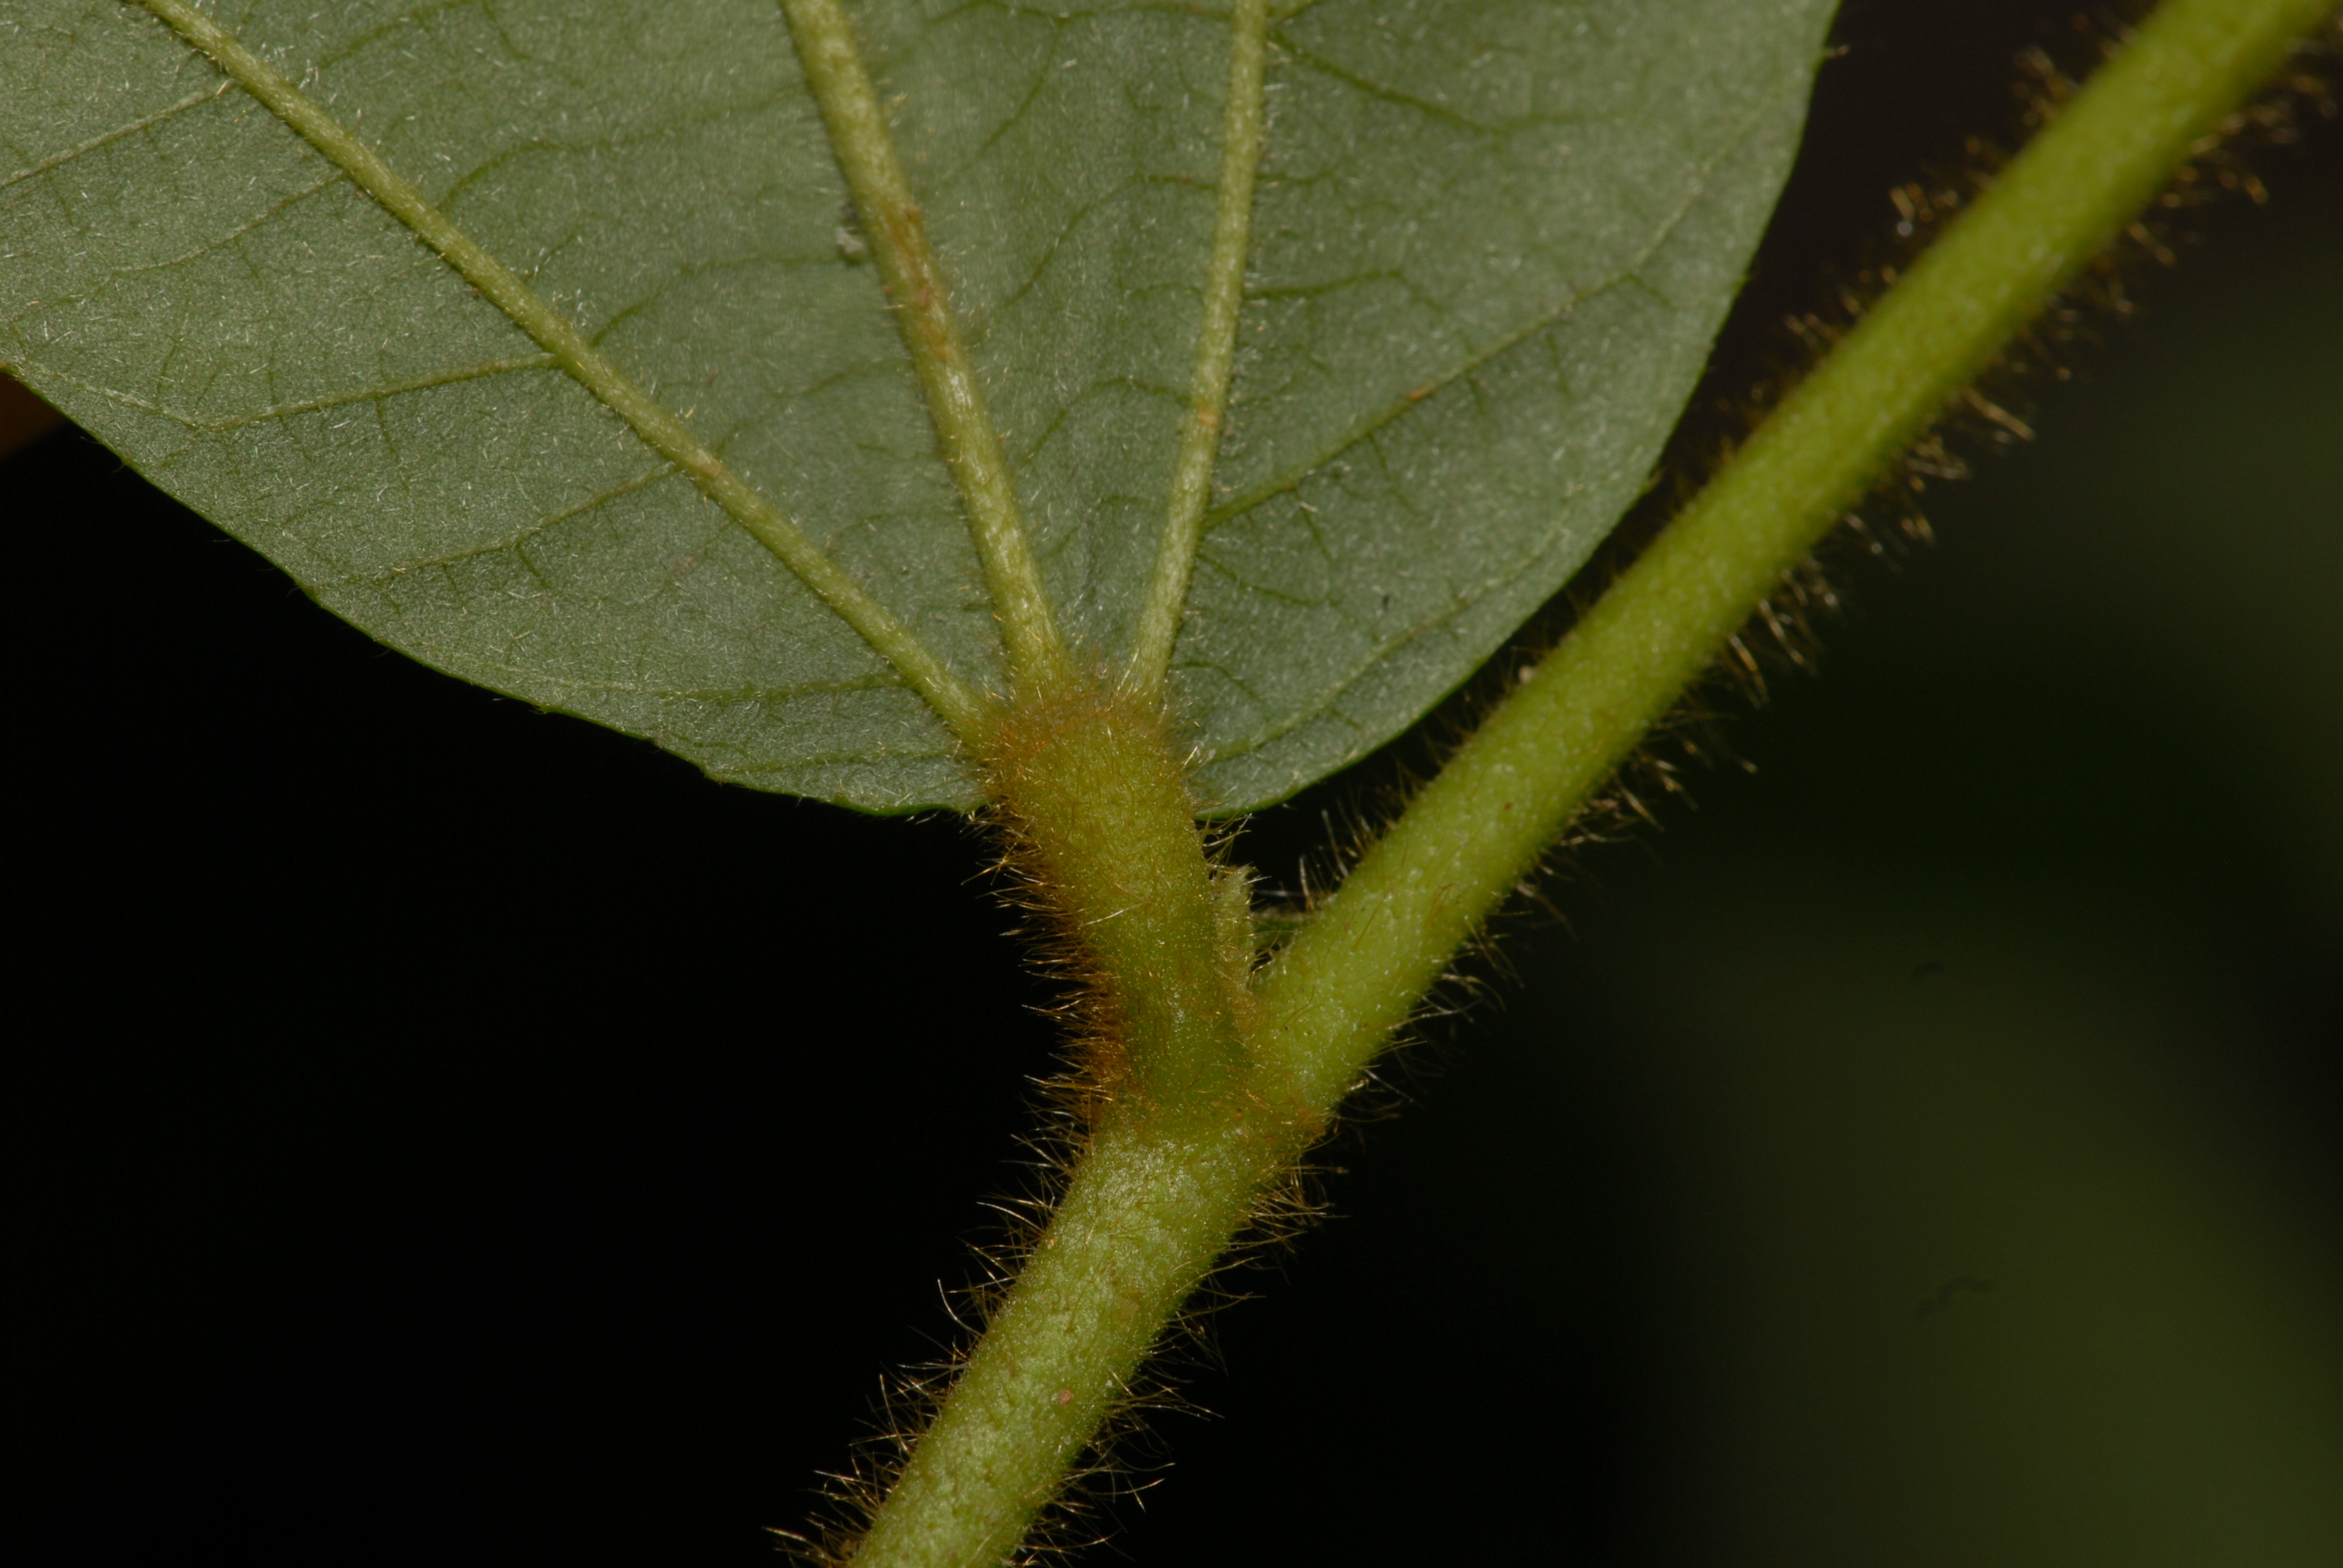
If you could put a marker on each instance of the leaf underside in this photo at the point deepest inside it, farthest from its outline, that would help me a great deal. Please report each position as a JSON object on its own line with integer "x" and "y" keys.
{"x": 1492, "y": 243}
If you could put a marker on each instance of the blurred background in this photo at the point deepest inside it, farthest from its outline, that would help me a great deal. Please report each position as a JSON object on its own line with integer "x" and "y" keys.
{"x": 451, "y": 1128}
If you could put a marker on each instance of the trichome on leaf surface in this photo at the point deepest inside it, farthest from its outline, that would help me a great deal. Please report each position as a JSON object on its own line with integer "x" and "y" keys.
{"x": 1104, "y": 422}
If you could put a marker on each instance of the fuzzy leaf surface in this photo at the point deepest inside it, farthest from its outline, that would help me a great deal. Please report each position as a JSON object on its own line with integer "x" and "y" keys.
{"x": 1492, "y": 241}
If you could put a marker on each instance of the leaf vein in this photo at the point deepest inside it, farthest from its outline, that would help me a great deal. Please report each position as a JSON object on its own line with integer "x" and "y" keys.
{"x": 58, "y": 160}
{"x": 959, "y": 706}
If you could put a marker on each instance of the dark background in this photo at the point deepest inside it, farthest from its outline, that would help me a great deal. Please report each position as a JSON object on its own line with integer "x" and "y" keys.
{"x": 453, "y": 1130}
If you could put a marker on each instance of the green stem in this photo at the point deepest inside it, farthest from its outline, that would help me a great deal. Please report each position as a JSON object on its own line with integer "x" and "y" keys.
{"x": 1216, "y": 350}
{"x": 1105, "y": 834}
{"x": 1353, "y": 975}
{"x": 898, "y": 233}
{"x": 1102, "y": 829}
{"x": 1157, "y": 1197}
{"x": 661, "y": 430}
{"x": 1141, "y": 1226}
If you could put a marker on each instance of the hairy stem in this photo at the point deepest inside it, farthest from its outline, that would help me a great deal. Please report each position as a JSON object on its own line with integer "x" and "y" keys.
{"x": 1216, "y": 345}
{"x": 1104, "y": 832}
{"x": 898, "y": 234}
{"x": 1141, "y": 1226}
{"x": 1158, "y": 1197}
{"x": 1159, "y": 947}
{"x": 1467, "y": 839}
{"x": 665, "y": 434}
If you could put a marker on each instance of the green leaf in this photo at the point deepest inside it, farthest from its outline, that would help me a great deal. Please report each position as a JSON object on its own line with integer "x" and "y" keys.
{"x": 1492, "y": 241}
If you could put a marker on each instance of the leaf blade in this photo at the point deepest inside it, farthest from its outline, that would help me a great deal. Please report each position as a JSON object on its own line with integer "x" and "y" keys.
{"x": 1422, "y": 454}
{"x": 233, "y": 324}
{"x": 744, "y": 676}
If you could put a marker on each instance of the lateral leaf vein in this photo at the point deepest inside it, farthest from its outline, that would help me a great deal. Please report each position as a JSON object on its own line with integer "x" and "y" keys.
{"x": 953, "y": 700}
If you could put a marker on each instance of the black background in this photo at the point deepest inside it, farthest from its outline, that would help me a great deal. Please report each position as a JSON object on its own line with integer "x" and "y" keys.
{"x": 457, "y": 1129}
